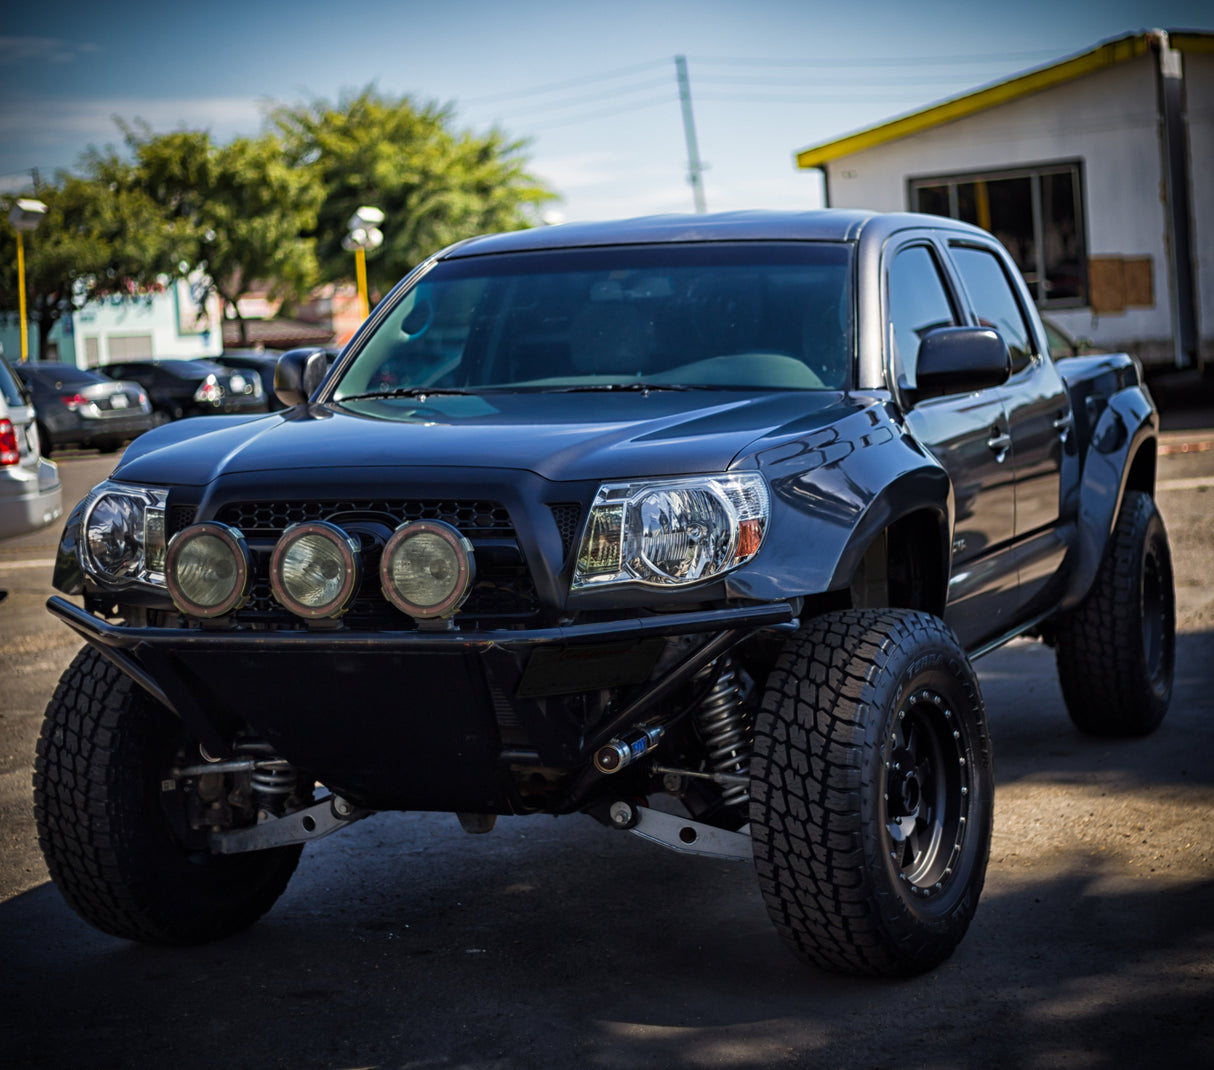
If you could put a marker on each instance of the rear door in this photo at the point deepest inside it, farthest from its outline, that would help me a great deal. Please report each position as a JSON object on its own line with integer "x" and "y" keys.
{"x": 968, "y": 435}
{"x": 1039, "y": 418}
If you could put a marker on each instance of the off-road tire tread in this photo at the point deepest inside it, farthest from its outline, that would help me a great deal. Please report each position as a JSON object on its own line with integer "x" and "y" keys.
{"x": 807, "y": 778}
{"x": 1099, "y": 654}
{"x": 94, "y": 833}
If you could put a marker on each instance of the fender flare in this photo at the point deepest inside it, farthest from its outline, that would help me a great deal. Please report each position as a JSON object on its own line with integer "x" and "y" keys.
{"x": 926, "y": 490}
{"x": 1128, "y": 425}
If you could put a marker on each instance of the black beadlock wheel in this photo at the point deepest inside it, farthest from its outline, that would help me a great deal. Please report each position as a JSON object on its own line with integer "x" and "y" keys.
{"x": 871, "y": 794}
{"x": 1116, "y": 651}
{"x": 114, "y": 840}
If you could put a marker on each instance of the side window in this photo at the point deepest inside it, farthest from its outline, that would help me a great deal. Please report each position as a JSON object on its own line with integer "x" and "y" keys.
{"x": 994, "y": 300}
{"x": 919, "y": 303}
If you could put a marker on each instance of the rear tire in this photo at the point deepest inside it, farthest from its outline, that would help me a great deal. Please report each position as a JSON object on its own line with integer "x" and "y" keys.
{"x": 871, "y": 794}
{"x": 104, "y": 822}
{"x": 1116, "y": 650}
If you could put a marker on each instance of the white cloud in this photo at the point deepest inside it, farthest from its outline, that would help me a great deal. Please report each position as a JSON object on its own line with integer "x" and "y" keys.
{"x": 50, "y": 134}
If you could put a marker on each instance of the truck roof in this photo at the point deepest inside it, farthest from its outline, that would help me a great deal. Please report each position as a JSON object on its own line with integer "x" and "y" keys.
{"x": 827, "y": 224}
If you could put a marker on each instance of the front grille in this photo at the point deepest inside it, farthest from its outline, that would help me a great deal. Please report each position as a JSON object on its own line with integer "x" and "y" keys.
{"x": 567, "y": 516}
{"x": 179, "y": 518}
{"x": 272, "y": 518}
{"x": 503, "y": 591}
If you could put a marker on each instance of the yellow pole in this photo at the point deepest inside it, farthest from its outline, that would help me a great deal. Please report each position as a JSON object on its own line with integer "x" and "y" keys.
{"x": 25, "y": 345}
{"x": 360, "y": 262}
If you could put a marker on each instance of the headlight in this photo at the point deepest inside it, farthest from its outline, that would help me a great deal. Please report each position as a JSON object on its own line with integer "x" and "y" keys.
{"x": 123, "y": 531}
{"x": 208, "y": 570}
{"x": 672, "y": 533}
{"x": 427, "y": 569}
{"x": 315, "y": 570}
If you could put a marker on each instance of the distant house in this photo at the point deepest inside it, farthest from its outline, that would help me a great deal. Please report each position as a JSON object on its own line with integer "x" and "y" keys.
{"x": 1094, "y": 171}
{"x": 182, "y": 320}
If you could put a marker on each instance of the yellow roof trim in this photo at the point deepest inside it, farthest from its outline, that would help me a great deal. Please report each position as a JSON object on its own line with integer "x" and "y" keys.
{"x": 1106, "y": 55}
{"x": 1191, "y": 41}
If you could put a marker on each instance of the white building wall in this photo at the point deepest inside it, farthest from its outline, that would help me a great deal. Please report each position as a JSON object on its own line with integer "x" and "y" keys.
{"x": 1108, "y": 120}
{"x": 162, "y": 326}
{"x": 1199, "y": 97}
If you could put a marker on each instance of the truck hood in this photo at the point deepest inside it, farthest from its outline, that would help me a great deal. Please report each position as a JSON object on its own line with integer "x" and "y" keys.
{"x": 559, "y": 437}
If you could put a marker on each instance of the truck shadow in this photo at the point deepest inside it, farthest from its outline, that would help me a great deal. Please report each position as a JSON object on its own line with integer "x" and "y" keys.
{"x": 551, "y": 944}
{"x": 1034, "y": 739}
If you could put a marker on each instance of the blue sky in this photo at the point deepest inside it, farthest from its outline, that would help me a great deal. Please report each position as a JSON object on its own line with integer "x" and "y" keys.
{"x": 592, "y": 86}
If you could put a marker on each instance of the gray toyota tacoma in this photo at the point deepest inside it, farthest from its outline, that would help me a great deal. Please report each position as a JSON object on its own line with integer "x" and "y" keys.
{"x": 690, "y": 524}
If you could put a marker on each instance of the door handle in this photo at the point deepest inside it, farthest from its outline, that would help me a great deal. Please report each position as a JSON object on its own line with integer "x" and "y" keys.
{"x": 999, "y": 443}
{"x": 1063, "y": 423}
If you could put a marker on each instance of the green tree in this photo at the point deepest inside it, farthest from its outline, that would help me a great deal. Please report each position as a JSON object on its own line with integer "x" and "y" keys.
{"x": 243, "y": 211}
{"x": 98, "y": 237}
{"x": 435, "y": 185}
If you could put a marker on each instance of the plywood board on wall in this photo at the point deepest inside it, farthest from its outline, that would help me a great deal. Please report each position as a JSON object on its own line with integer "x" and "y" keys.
{"x": 1120, "y": 282}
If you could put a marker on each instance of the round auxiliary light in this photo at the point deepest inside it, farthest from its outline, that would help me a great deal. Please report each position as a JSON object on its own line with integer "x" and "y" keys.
{"x": 207, "y": 570}
{"x": 427, "y": 569}
{"x": 315, "y": 570}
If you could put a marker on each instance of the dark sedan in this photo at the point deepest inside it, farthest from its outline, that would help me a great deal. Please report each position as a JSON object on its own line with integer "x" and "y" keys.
{"x": 76, "y": 407}
{"x": 178, "y": 388}
{"x": 262, "y": 362}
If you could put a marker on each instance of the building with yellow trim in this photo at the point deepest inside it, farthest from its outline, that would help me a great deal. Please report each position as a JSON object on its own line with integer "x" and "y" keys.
{"x": 1097, "y": 172}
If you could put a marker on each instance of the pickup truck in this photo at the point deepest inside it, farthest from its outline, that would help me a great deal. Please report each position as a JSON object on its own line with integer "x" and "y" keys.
{"x": 690, "y": 524}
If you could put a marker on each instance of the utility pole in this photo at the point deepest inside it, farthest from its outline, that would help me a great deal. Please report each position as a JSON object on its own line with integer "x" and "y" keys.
{"x": 695, "y": 169}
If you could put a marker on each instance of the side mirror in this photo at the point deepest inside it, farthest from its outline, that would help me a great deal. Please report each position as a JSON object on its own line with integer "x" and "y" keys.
{"x": 960, "y": 360}
{"x": 298, "y": 373}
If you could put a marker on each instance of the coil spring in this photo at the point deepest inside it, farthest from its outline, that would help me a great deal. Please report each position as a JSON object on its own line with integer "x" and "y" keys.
{"x": 271, "y": 775}
{"x": 726, "y": 731}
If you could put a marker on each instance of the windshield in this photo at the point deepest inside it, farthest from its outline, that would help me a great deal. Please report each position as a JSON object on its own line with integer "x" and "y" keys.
{"x": 763, "y": 315}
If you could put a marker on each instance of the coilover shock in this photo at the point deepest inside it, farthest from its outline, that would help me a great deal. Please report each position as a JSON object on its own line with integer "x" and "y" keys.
{"x": 726, "y": 729}
{"x": 272, "y": 779}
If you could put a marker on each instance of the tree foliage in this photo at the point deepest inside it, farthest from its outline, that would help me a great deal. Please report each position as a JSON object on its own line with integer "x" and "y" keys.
{"x": 244, "y": 213}
{"x": 98, "y": 237}
{"x": 435, "y": 185}
{"x": 271, "y": 210}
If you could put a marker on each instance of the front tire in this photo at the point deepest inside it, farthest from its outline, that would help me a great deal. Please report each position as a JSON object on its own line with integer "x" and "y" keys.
{"x": 106, "y": 827}
{"x": 1116, "y": 650}
{"x": 871, "y": 794}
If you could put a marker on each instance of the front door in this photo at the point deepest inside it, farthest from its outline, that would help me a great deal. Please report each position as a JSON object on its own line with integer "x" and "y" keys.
{"x": 968, "y": 435}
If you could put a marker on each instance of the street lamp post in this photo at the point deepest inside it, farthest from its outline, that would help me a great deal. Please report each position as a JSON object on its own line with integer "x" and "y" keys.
{"x": 364, "y": 234}
{"x": 25, "y": 216}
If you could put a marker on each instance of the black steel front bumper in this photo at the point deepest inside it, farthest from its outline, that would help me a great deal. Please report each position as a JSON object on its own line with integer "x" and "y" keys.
{"x": 416, "y": 719}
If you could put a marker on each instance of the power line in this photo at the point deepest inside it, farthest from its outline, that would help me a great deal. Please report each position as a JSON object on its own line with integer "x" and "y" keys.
{"x": 637, "y": 87}
{"x": 573, "y": 83}
{"x": 879, "y": 61}
{"x": 860, "y": 77}
{"x": 591, "y": 116}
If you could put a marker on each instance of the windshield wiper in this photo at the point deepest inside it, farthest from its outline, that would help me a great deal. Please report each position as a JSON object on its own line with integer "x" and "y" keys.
{"x": 405, "y": 392}
{"x": 610, "y": 388}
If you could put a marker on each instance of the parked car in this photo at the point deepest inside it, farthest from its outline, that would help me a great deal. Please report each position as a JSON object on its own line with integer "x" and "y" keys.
{"x": 689, "y": 524}
{"x": 263, "y": 362}
{"x": 178, "y": 388}
{"x": 31, "y": 495}
{"x": 84, "y": 408}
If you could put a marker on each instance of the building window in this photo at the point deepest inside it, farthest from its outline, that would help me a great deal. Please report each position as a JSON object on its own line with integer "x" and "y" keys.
{"x": 1036, "y": 212}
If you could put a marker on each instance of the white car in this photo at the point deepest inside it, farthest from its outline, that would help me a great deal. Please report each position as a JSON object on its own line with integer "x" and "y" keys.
{"x": 31, "y": 495}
